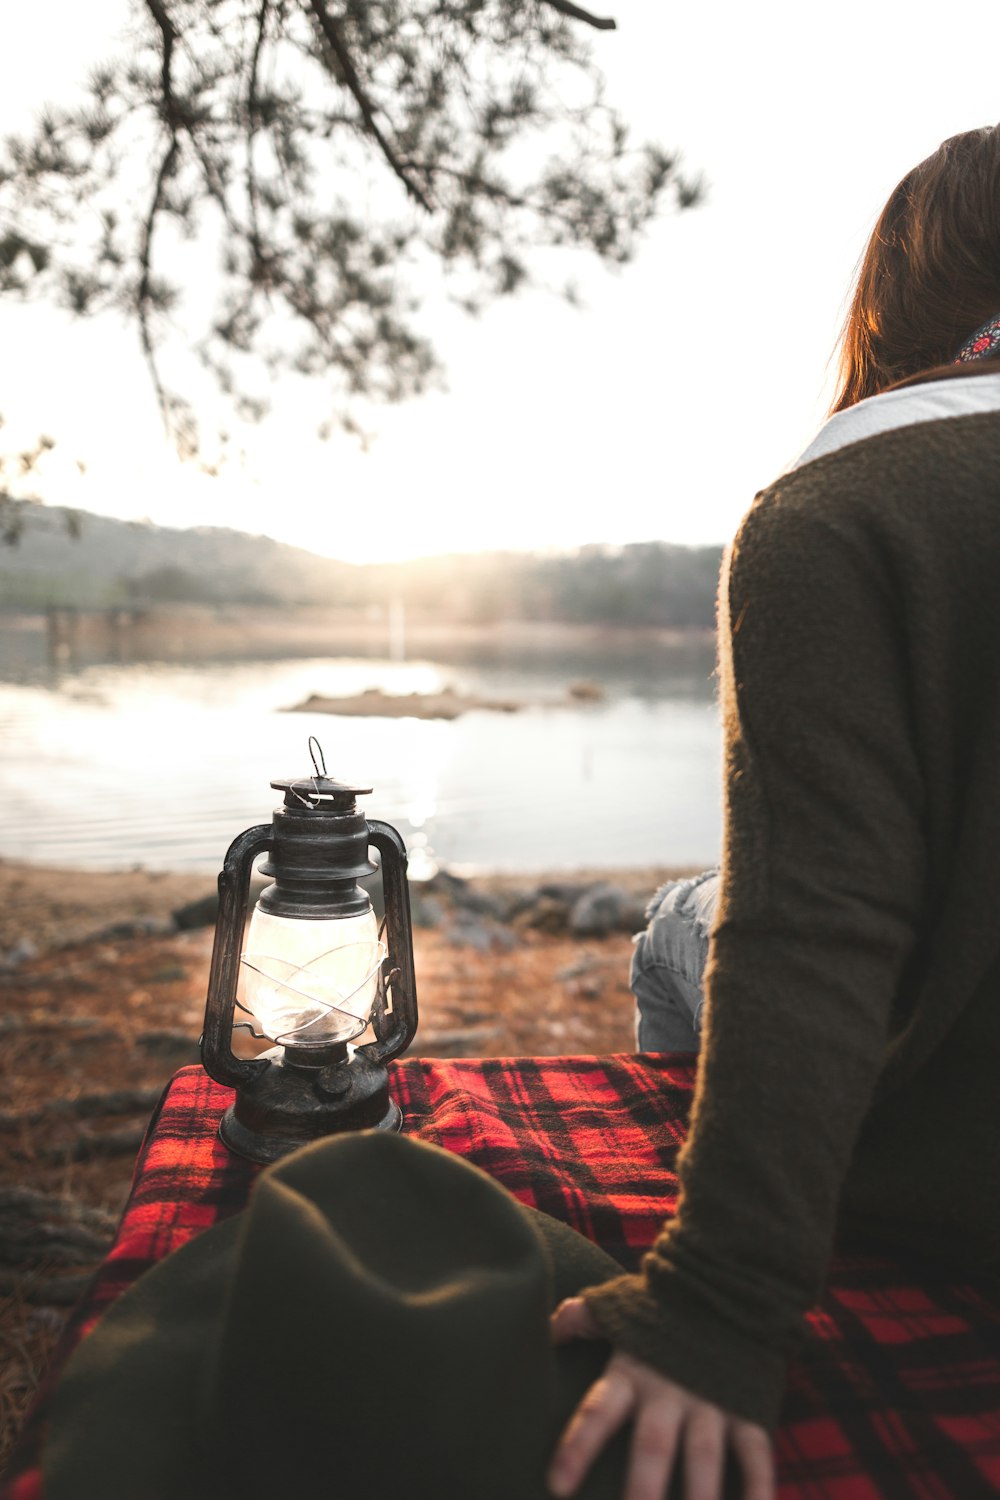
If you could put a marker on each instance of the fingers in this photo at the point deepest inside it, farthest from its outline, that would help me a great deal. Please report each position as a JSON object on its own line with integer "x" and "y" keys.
{"x": 602, "y": 1411}
{"x": 668, "y": 1418}
{"x": 704, "y": 1453}
{"x": 572, "y": 1319}
{"x": 653, "y": 1451}
{"x": 752, "y": 1447}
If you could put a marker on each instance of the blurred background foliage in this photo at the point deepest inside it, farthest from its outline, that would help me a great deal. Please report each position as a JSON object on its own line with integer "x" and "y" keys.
{"x": 262, "y": 186}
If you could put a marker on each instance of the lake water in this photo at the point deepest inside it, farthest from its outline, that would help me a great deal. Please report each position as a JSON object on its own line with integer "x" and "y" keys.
{"x": 119, "y": 764}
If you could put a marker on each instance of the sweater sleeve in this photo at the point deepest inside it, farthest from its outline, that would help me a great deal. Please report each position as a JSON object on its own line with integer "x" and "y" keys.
{"x": 822, "y": 886}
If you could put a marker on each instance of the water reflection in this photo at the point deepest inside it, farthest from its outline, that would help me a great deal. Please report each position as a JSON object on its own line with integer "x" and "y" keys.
{"x": 162, "y": 764}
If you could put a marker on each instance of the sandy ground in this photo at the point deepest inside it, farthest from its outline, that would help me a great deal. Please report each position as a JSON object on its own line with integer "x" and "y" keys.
{"x": 102, "y": 999}
{"x": 42, "y": 907}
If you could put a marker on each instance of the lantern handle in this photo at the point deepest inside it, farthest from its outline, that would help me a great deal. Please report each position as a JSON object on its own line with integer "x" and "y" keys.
{"x": 394, "y": 1032}
{"x": 316, "y": 755}
{"x": 234, "y": 898}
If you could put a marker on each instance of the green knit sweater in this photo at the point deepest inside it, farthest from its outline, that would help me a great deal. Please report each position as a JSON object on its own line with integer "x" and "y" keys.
{"x": 849, "y": 1082}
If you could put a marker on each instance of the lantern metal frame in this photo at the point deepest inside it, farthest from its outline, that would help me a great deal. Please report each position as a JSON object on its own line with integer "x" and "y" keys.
{"x": 317, "y": 842}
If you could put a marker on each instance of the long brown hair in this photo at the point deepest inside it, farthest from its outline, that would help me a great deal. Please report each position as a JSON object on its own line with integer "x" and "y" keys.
{"x": 930, "y": 275}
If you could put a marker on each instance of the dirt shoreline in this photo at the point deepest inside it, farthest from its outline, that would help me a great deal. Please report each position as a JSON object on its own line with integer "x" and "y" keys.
{"x": 48, "y": 906}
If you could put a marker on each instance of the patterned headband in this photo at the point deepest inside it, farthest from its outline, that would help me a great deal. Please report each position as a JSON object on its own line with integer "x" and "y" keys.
{"x": 982, "y": 343}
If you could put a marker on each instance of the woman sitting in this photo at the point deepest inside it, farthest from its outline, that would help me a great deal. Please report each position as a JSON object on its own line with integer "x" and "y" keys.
{"x": 840, "y": 975}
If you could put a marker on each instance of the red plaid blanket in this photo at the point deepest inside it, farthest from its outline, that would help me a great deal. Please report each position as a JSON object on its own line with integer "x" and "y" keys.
{"x": 896, "y": 1393}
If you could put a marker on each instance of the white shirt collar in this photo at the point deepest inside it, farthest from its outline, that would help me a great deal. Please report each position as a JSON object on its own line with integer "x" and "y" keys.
{"x": 933, "y": 402}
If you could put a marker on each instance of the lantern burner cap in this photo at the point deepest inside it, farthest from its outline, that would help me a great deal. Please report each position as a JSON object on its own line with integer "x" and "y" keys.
{"x": 310, "y": 791}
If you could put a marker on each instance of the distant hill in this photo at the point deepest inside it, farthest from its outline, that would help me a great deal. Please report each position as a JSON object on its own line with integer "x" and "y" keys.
{"x": 120, "y": 563}
{"x": 117, "y": 562}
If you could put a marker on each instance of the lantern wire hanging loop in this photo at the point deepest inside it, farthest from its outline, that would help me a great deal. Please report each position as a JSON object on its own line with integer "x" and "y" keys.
{"x": 320, "y": 773}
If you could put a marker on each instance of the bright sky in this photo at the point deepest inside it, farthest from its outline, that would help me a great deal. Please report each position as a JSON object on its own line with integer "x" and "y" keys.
{"x": 689, "y": 380}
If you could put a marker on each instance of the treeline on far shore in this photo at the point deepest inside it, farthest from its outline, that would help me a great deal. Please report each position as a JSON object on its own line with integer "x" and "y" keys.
{"x": 645, "y": 584}
{"x": 103, "y": 564}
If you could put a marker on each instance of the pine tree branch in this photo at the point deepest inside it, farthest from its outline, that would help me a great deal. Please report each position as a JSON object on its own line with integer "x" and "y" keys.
{"x": 331, "y": 34}
{"x": 575, "y": 13}
{"x": 169, "y": 35}
{"x": 252, "y": 113}
{"x": 472, "y": 181}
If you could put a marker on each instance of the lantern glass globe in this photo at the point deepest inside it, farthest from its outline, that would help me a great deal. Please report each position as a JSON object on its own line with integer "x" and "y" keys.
{"x": 310, "y": 981}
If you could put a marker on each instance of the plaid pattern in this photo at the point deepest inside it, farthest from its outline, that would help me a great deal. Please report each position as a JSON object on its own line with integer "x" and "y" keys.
{"x": 896, "y": 1392}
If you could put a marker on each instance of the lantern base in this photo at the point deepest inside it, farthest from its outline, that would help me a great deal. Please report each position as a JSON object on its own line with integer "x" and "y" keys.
{"x": 285, "y": 1108}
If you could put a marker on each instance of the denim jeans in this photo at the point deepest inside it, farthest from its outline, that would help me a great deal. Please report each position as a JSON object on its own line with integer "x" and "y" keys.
{"x": 668, "y": 964}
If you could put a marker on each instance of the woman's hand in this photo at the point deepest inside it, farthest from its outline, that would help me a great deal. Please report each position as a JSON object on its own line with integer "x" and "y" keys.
{"x": 669, "y": 1421}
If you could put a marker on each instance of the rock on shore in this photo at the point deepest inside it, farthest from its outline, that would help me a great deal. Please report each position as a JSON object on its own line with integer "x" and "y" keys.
{"x": 44, "y": 908}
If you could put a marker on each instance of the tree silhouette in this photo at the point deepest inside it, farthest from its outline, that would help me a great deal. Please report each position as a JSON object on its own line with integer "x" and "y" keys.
{"x": 18, "y": 467}
{"x": 263, "y": 185}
